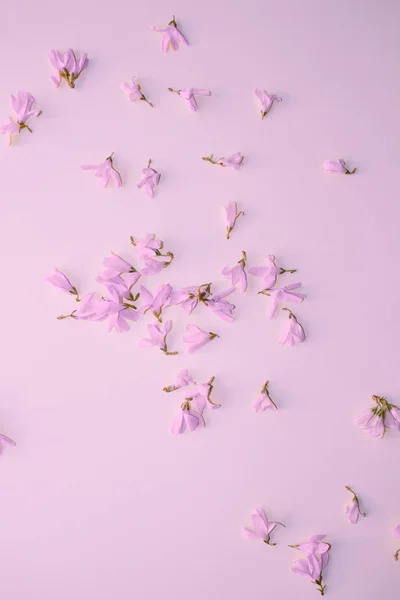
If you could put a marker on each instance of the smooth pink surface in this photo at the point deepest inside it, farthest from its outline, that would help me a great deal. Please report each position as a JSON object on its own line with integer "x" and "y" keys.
{"x": 97, "y": 500}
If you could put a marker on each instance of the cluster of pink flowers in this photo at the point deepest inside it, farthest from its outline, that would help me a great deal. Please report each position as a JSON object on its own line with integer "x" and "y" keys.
{"x": 382, "y": 416}
{"x": 313, "y": 565}
{"x": 21, "y": 104}
{"x": 197, "y": 397}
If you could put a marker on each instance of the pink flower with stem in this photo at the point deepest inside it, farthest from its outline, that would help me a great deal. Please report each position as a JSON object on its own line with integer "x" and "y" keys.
{"x": 149, "y": 246}
{"x": 21, "y": 104}
{"x": 90, "y": 308}
{"x": 105, "y": 171}
{"x": 237, "y": 273}
{"x": 284, "y": 294}
{"x": 396, "y": 534}
{"x": 231, "y": 216}
{"x": 123, "y": 285}
{"x": 116, "y": 265}
{"x": 156, "y": 303}
{"x": 315, "y": 562}
{"x": 220, "y": 306}
{"x": 197, "y": 338}
{"x": 158, "y": 337}
{"x": 264, "y": 400}
{"x": 352, "y": 510}
{"x": 262, "y": 528}
{"x": 121, "y": 310}
{"x": 5, "y": 440}
{"x": 187, "y": 419}
{"x": 202, "y": 396}
{"x": 266, "y": 101}
{"x": 270, "y": 272}
{"x": 134, "y": 92}
{"x": 67, "y": 66}
{"x": 380, "y": 417}
{"x": 183, "y": 379}
{"x": 292, "y": 332}
{"x": 150, "y": 180}
{"x": 189, "y": 297}
{"x": 337, "y": 166}
{"x": 235, "y": 161}
{"x": 189, "y": 95}
{"x": 172, "y": 36}
{"x": 61, "y": 281}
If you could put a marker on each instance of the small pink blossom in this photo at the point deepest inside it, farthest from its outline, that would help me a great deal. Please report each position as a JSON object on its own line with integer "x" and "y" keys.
{"x": 262, "y": 528}
{"x": 380, "y": 417}
{"x": 122, "y": 284}
{"x": 172, "y": 36}
{"x": 134, "y": 92}
{"x": 221, "y": 307}
{"x": 149, "y": 181}
{"x": 337, "y": 166}
{"x": 90, "y": 308}
{"x": 197, "y": 338}
{"x": 5, "y": 440}
{"x": 292, "y": 332}
{"x": 396, "y": 534}
{"x": 231, "y": 216}
{"x": 116, "y": 265}
{"x": 149, "y": 246}
{"x": 105, "y": 171}
{"x": 264, "y": 400}
{"x": 235, "y": 161}
{"x": 183, "y": 379}
{"x": 58, "y": 279}
{"x": 21, "y": 104}
{"x": 202, "y": 396}
{"x": 283, "y": 294}
{"x": 266, "y": 101}
{"x": 158, "y": 337}
{"x": 121, "y": 310}
{"x": 352, "y": 510}
{"x": 156, "y": 303}
{"x": 67, "y": 66}
{"x": 270, "y": 272}
{"x": 189, "y": 297}
{"x": 186, "y": 419}
{"x": 237, "y": 274}
{"x": 315, "y": 562}
{"x": 189, "y": 95}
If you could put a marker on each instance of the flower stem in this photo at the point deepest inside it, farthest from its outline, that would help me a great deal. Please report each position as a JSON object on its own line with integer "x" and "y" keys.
{"x": 396, "y": 555}
{"x": 351, "y": 172}
{"x": 72, "y": 315}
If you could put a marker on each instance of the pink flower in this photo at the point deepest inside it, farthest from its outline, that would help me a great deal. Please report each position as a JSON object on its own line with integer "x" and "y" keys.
{"x": 183, "y": 379}
{"x": 116, "y": 265}
{"x": 172, "y": 36}
{"x": 197, "y": 338}
{"x": 262, "y": 528}
{"x": 235, "y": 161}
{"x": 21, "y": 104}
{"x": 313, "y": 565}
{"x": 292, "y": 332}
{"x": 105, "y": 171}
{"x": 5, "y": 440}
{"x": 283, "y": 294}
{"x": 237, "y": 274}
{"x": 337, "y": 166}
{"x": 379, "y": 418}
{"x": 158, "y": 337}
{"x": 157, "y": 302}
{"x": 189, "y": 297}
{"x": 231, "y": 216}
{"x": 58, "y": 279}
{"x": 67, "y": 66}
{"x": 121, "y": 310}
{"x": 122, "y": 285}
{"x": 148, "y": 246}
{"x": 270, "y": 272}
{"x": 150, "y": 179}
{"x": 188, "y": 94}
{"x": 221, "y": 307}
{"x": 266, "y": 101}
{"x": 264, "y": 400}
{"x": 134, "y": 92}
{"x": 90, "y": 308}
{"x": 186, "y": 419}
{"x": 352, "y": 510}
{"x": 202, "y": 396}
{"x": 396, "y": 534}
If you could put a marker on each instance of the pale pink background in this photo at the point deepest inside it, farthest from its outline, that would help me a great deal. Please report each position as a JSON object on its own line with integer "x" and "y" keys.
{"x": 97, "y": 499}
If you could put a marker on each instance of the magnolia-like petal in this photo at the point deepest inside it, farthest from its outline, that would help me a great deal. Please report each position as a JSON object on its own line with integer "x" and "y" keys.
{"x": 56, "y": 80}
{"x": 315, "y": 566}
{"x": 168, "y": 327}
{"x": 263, "y": 402}
{"x": 302, "y": 567}
{"x": 376, "y": 427}
{"x": 324, "y": 560}
{"x": 118, "y": 323}
{"x": 396, "y": 532}
{"x": 313, "y": 547}
{"x": 353, "y": 512}
{"x": 155, "y": 335}
{"x": 317, "y": 538}
{"x": 7, "y": 440}
{"x": 145, "y": 295}
{"x": 230, "y": 214}
{"x": 178, "y": 424}
{"x": 117, "y": 263}
{"x": 335, "y": 166}
{"x": 192, "y": 421}
{"x": 82, "y": 64}
{"x": 200, "y": 403}
{"x": 153, "y": 267}
{"x": 260, "y": 522}
{"x": 161, "y": 296}
{"x": 292, "y": 333}
{"x": 392, "y": 418}
{"x": 183, "y": 378}
{"x": 58, "y": 279}
{"x": 69, "y": 60}
{"x": 364, "y": 419}
{"x": 55, "y": 60}
{"x": 189, "y": 305}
